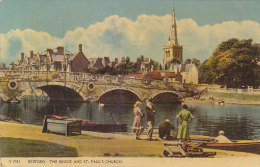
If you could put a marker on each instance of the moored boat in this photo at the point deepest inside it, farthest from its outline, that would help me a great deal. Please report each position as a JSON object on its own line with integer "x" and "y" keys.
{"x": 90, "y": 126}
{"x": 250, "y": 146}
{"x": 102, "y": 127}
{"x": 242, "y": 146}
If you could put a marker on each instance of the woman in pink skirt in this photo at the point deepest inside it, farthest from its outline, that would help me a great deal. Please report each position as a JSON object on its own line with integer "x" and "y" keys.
{"x": 138, "y": 120}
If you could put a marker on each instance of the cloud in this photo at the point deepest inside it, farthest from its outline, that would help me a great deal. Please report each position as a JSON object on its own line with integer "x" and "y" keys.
{"x": 118, "y": 36}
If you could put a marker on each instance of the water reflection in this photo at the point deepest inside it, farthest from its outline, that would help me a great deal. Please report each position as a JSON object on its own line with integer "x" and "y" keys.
{"x": 238, "y": 121}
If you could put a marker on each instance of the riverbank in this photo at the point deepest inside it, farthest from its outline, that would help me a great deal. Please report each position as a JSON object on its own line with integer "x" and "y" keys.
{"x": 228, "y": 98}
{"x": 23, "y": 140}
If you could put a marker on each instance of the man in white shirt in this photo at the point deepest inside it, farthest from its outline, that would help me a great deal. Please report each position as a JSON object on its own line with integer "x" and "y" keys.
{"x": 221, "y": 138}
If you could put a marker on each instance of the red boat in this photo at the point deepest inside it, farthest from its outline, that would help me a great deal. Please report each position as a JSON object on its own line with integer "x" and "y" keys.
{"x": 90, "y": 126}
{"x": 99, "y": 127}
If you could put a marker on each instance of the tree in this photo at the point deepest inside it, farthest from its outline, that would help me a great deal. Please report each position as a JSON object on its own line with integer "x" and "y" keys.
{"x": 107, "y": 70}
{"x": 173, "y": 61}
{"x": 156, "y": 65}
{"x": 194, "y": 61}
{"x": 126, "y": 67}
{"x": 233, "y": 63}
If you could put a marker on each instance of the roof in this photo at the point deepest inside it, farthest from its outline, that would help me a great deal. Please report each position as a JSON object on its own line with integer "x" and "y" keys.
{"x": 137, "y": 76}
{"x": 92, "y": 61}
{"x": 31, "y": 60}
{"x": 171, "y": 74}
{"x": 154, "y": 75}
{"x": 107, "y": 60}
{"x": 57, "y": 57}
{"x": 60, "y": 58}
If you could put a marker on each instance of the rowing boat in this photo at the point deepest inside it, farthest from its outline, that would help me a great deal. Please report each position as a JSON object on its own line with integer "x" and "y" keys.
{"x": 102, "y": 127}
{"x": 242, "y": 146}
{"x": 250, "y": 146}
{"x": 88, "y": 125}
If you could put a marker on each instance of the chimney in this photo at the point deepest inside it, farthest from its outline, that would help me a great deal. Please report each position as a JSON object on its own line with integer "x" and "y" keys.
{"x": 80, "y": 47}
{"x": 31, "y": 54}
{"x": 22, "y": 56}
{"x": 60, "y": 50}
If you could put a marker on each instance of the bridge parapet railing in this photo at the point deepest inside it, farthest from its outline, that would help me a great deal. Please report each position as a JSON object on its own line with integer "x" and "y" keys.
{"x": 14, "y": 74}
{"x": 76, "y": 77}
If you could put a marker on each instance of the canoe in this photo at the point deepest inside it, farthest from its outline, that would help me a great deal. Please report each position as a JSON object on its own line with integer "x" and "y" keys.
{"x": 102, "y": 127}
{"x": 250, "y": 147}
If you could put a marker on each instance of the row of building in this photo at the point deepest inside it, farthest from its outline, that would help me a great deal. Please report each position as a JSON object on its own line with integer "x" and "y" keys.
{"x": 59, "y": 59}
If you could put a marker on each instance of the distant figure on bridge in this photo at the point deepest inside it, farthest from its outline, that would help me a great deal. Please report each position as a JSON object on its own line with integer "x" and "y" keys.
{"x": 221, "y": 138}
{"x": 165, "y": 128}
{"x": 183, "y": 123}
{"x": 150, "y": 112}
{"x": 138, "y": 120}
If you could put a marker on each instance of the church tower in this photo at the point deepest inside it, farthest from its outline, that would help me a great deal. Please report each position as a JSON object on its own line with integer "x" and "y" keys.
{"x": 172, "y": 49}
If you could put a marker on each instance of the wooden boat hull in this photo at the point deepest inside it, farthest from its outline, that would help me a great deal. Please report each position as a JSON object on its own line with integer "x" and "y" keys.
{"x": 250, "y": 147}
{"x": 98, "y": 127}
{"x": 88, "y": 125}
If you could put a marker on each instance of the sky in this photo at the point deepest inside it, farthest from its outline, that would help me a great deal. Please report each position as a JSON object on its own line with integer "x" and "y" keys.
{"x": 120, "y": 28}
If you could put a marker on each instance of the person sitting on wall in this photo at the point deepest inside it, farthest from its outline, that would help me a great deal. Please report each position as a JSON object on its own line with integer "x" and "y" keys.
{"x": 165, "y": 128}
{"x": 221, "y": 138}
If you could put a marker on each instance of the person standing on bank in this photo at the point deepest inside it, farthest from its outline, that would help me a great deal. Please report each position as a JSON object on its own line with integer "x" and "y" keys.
{"x": 150, "y": 112}
{"x": 138, "y": 120}
{"x": 183, "y": 124}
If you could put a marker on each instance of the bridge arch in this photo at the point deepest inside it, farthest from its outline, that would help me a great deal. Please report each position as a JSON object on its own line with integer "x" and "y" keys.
{"x": 165, "y": 97}
{"x": 119, "y": 95}
{"x": 59, "y": 92}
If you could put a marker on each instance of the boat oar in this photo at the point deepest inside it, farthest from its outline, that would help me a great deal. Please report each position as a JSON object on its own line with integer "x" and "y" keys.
{"x": 112, "y": 117}
{"x": 68, "y": 111}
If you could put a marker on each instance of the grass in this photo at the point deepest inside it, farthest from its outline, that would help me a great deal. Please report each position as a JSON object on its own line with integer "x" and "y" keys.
{"x": 82, "y": 136}
{"x": 17, "y": 147}
{"x": 21, "y": 140}
{"x": 236, "y": 96}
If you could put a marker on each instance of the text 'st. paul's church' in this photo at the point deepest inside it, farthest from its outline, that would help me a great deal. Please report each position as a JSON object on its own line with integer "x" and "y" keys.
{"x": 172, "y": 49}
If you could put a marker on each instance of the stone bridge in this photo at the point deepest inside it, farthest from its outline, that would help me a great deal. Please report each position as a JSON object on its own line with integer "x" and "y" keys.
{"x": 87, "y": 87}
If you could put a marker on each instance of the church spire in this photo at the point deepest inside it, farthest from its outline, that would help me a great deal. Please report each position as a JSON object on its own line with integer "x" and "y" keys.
{"x": 173, "y": 33}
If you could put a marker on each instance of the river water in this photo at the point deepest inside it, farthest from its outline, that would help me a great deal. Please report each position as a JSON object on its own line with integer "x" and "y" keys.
{"x": 238, "y": 121}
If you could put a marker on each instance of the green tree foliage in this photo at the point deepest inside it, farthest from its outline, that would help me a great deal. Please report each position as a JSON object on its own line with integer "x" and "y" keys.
{"x": 126, "y": 67}
{"x": 233, "y": 63}
{"x": 156, "y": 65}
{"x": 173, "y": 61}
{"x": 107, "y": 70}
{"x": 194, "y": 61}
